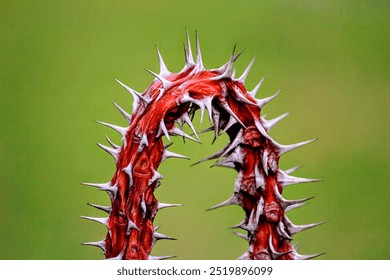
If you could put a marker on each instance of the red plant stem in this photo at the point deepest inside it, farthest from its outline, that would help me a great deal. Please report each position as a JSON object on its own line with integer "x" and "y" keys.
{"x": 174, "y": 98}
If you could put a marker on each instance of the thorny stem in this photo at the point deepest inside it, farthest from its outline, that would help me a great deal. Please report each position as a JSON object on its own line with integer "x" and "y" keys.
{"x": 174, "y": 98}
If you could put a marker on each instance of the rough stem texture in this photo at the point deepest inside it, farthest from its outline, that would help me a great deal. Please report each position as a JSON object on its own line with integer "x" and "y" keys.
{"x": 160, "y": 111}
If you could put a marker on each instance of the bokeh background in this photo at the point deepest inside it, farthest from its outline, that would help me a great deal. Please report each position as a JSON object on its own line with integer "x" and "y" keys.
{"x": 58, "y": 61}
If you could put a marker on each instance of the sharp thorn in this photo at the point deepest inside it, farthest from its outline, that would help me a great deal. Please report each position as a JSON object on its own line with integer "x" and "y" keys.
{"x": 136, "y": 95}
{"x": 106, "y": 209}
{"x": 246, "y": 72}
{"x": 121, "y": 130}
{"x": 231, "y": 201}
{"x": 268, "y": 124}
{"x": 256, "y": 88}
{"x": 165, "y": 82}
{"x": 286, "y": 180}
{"x": 275, "y": 254}
{"x": 112, "y": 144}
{"x": 129, "y": 171}
{"x": 169, "y": 154}
{"x": 103, "y": 221}
{"x": 213, "y": 156}
{"x": 177, "y": 131}
{"x": 243, "y": 236}
{"x": 199, "y": 62}
{"x": 261, "y": 102}
{"x": 100, "y": 244}
{"x": 164, "y": 129}
{"x": 126, "y": 115}
{"x": 189, "y": 58}
{"x": 113, "y": 152}
{"x": 167, "y": 205}
{"x": 288, "y": 203}
{"x": 282, "y": 149}
{"x": 293, "y": 169}
{"x": 163, "y": 68}
{"x": 158, "y": 236}
{"x": 294, "y": 229}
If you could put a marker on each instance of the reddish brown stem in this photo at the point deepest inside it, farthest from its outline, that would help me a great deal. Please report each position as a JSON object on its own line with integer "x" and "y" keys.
{"x": 174, "y": 98}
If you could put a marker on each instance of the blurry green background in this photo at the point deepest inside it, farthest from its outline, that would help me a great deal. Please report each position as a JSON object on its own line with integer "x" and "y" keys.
{"x": 58, "y": 61}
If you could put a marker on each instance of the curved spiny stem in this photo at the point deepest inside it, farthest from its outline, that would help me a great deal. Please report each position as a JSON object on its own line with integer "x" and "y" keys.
{"x": 174, "y": 98}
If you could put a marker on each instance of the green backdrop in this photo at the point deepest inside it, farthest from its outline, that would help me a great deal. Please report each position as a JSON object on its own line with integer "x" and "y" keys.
{"x": 58, "y": 61}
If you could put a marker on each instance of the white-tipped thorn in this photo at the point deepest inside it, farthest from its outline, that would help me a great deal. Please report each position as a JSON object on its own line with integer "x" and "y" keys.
{"x": 282, "y": 149}
{"x": 103, "y": 221}
{"x": 306, "y": 257}
{"x": 106, "y": 209}
{"x": 292, "y": 170}
{"x": 213, "y": 156}
{"x": 143, "y": 207}
{"x": 275, "y": 254}
{"x": 286, "y": 180}
{"x": 268, "y": 124}
{"x": 112, "y": 144}
{"x": 167, "y": 205}
{"x": 294, "y": 229}
{"x": 111, "y": 190}
{"x": 208, "y": 104}
{"x": 165, "y": 82}
{"x": 113, "y": 152}
{"x": 144, "y": 140}
{"x": 226, "y": 74}
{"x": 211, "y": 128}
{"x": 129, "y": 171}
{"x": 229, "y": 124}
{"x": 164, "y": 129}
{"x": 216, "y": 124}
{"x": 156, "y": 176}
{"x": 262, "y": 130}
{"x": 100, "y": 244}
{"x": 281, "y": 230}
{"x": 188, "y": 52}
{"x": 261, "y": 102}
{"x": 169, "y": 154}
{"x": 225, "y": 163}
{"x": 121, "y": 130}
{"x": 226, "y": 107}
{"x": 288, "y": 203}
{"x": 126, "y": 115}
{"x": 136, "y": 95}
{"x": 226, "y": 69}
{"x": 158, "y": 236}
{"x": 294, "y": 206}
{"x": 243, "y": 236}
{"x": 231, "y": 201}
{"x": 131, "y": 225}
{"x": 158, "y": 258}
{"x": 101, "y": 186}
{"x": 246, "y": 72}
{"x": 233, "y": 74}
{"x": 163, "y": 68}
{"x": 199, "y": 63}
{"x": 187, "y": 119}
{"x": 229, "y": 161}
{"x": 177, "y": 131}
{"x": 236, "y": 141}
{"x": 242, "y": 97}
{"x": 256, "y": 88}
